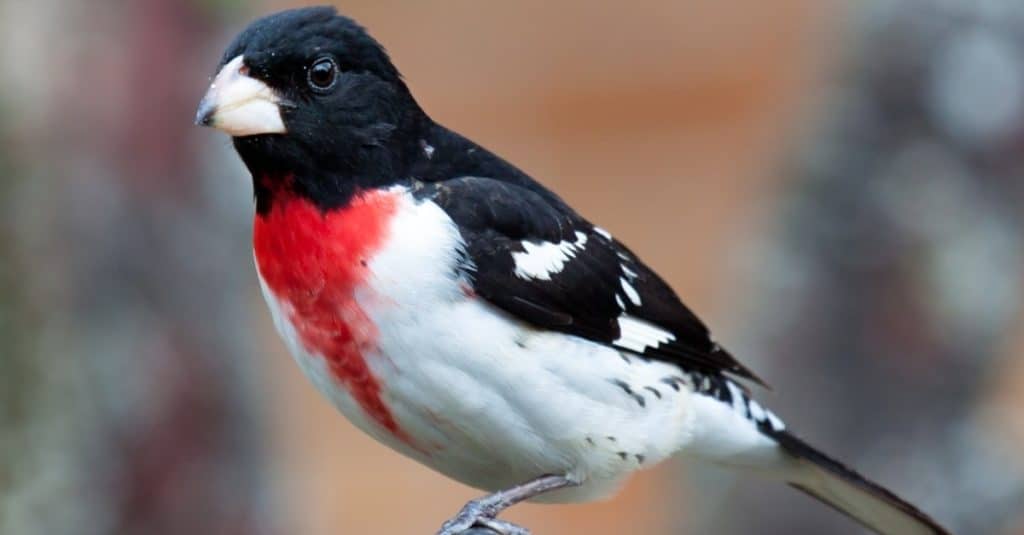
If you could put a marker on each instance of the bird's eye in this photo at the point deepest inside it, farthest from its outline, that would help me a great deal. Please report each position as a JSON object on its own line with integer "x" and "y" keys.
{"x": 322, "y": 74}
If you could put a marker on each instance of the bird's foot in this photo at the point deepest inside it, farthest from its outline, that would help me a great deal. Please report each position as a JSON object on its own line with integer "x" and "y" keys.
{"x": 503, "y": 527}
{"x": 493, "y": 527}
{"x": 482, "y": 513}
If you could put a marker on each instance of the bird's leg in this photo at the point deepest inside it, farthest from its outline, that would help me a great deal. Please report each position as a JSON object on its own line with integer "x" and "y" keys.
{"x": 483, "y": 511}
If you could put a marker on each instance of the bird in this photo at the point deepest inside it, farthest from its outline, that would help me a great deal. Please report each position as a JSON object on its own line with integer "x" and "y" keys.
{"x": 461, "y": 313}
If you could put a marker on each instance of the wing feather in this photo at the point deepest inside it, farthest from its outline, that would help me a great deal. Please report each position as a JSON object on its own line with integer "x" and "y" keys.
{"x": 538, "y": 260}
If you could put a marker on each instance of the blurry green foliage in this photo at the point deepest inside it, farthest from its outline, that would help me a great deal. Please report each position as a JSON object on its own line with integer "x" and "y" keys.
{"x": 17, "y": 374}
{"x": 223, "y": 11}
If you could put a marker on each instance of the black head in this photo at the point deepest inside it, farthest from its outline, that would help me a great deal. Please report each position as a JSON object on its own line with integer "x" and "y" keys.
{"x": 308, "y": 94}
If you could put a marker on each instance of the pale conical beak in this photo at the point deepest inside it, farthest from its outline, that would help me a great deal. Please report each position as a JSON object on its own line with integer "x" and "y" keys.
{"x": 239, "y": 104}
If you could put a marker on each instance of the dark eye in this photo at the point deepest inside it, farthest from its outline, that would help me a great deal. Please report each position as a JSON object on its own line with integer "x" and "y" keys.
{"x": 322, "y": 74}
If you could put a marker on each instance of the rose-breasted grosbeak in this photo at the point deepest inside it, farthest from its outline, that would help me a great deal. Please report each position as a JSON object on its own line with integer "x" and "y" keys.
{"x": 459, "y": 312}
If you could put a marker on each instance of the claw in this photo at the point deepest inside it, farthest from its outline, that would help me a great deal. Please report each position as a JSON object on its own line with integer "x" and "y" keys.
{"x": 481, "y": 526}
{"x": 504, "y": 528}
{"x": 483, "y": 512}
{"x": 471, "y": 514}
{"x": 479, "y": 513}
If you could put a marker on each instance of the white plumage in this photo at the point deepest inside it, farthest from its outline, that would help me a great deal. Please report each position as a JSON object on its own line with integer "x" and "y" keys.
{"x": 494, "y": 402}
{"x": 637, "y": 334}
{"x": 542, "y": 260}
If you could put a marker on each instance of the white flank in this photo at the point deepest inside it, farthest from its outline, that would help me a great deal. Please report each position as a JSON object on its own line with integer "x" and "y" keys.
{"x": 637, "y": 334}
{"x": 721, "y": 433}
{"x": 542, "y": 260}
{"x": 492, "y": 402}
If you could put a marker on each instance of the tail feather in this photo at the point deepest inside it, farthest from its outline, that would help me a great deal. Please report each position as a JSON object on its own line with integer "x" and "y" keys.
{"x": 850, "y": 493}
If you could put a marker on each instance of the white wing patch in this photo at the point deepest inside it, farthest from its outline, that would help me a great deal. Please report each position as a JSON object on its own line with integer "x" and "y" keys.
{"x": 603, "y": 233}
{"x": 630, "y": 291}
{"x": 541, "y": 261}
{"x": 637, "y": 334}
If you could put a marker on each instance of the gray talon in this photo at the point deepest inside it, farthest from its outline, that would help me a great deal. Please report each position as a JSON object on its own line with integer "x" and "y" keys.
{"x": 480, "y": 514}
{"x": 483, "y": 512}
{"x": 504, "y": 528}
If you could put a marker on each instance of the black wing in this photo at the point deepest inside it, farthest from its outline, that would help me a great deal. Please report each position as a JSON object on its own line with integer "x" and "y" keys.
{"x": 538, "y": 260}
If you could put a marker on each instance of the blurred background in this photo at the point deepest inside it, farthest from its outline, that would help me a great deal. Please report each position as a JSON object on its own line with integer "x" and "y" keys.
{"x": 835, "y": 186}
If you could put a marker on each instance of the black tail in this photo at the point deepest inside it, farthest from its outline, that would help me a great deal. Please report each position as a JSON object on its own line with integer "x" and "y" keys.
{"x": 852, "y": 494}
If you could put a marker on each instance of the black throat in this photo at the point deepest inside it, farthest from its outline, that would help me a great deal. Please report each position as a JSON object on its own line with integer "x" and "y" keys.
{"x": 329, "y": 172}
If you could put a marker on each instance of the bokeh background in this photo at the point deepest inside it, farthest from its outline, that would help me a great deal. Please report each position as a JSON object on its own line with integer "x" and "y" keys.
{"x": 836, "y": 186}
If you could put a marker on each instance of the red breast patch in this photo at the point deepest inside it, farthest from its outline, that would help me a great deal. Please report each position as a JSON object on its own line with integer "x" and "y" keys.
{"x": 315, "y": 261}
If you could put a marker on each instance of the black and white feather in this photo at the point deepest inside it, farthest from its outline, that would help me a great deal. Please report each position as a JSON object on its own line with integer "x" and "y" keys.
{"x": 513, "y": 338}
{"x": 538, "y": 260}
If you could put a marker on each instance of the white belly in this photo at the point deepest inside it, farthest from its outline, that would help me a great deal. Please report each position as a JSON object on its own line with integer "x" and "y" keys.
{"x": 484, "y": 398}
